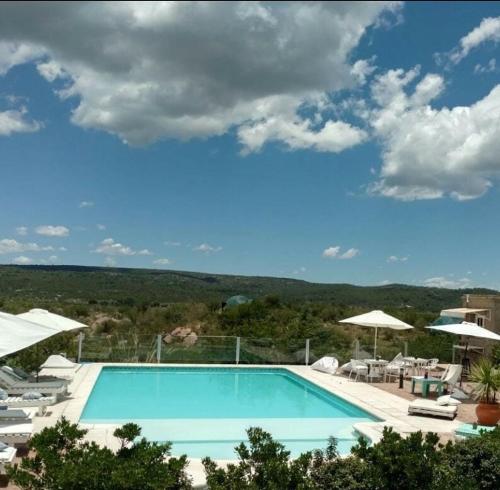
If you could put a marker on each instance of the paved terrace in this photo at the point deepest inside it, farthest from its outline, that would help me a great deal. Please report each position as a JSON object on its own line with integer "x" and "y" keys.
{"x": 392, "y": 409}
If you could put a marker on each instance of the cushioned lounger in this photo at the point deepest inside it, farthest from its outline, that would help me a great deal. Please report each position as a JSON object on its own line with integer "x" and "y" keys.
{"x": 421, "y": 406}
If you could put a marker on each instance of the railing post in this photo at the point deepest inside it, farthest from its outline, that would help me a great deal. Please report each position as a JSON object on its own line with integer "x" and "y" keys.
{"x": 81, "y": 335}
{"x": 307, "y": 352}
{"x": 356, "y": 349}
{"x": 237, "y": 350}
{"x": 158, "y": 348}
{"x": 405, "y": 348}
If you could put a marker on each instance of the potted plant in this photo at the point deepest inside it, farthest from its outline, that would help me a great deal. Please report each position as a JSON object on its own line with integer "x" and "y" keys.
{"x": 487, "y": 382}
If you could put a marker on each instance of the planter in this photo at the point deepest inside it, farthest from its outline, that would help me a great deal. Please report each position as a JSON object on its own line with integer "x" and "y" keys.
{"x": 488, "y": 413}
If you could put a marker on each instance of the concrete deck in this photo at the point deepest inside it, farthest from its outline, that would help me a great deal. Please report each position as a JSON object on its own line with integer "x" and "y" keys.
{"x": 391, "y": 409}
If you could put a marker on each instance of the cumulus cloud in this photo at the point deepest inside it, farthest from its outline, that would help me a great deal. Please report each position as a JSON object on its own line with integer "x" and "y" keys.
{"x": 444, "y": 282}
{"x": 395, "y": 258}
{"x": 162, "y": 261}
{"x": 22, "y": 260}
{"x": 109, "y": 247}
{"x": 16, "y": 121}
{"x": 490, "y": 67}
{"x": 10, "y": 245}
{"x": 207, "y": 248}
{"x": 151, "y": 70}
{"x": 429, "y": 153}
{"x": 51, "y": 230}
{"x": 86, "y": 204}
{"x": 487, "y": 31}
{"x": 334, "y": 252}
{"x": 22, "y": 230}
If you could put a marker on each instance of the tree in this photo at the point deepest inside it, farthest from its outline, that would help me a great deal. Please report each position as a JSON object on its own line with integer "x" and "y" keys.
{"x": 63, "y": 460}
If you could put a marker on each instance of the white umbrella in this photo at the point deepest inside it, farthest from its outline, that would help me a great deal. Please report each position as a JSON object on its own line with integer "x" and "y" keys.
{"x": 17, "y": 333}
{"x": 377, "y": 319}
{"x": 44, "y": 317}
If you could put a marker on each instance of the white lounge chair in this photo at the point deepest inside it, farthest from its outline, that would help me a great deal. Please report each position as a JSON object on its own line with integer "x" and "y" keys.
{"x": 431, "y": 365}
{"x": 59, "y": 366}
{"x": 423, "y": 406}
{"x": 40, "y": 404}
{"x": 16, "y": 433}
{"x": 14, "y": 386}
{"x": 7, "y": 455}
{"x": 326, "y": 364}
{"x": 393, "y": 368}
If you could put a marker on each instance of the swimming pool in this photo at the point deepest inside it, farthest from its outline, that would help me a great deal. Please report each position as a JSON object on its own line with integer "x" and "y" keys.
{"x": 205, "y": 411}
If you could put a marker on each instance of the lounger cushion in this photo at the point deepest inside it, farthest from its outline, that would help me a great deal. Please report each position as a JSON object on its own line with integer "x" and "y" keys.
{"x": 448, "y": 400}
{"x": 32, "y": 395}
{"x": 430, "y": 407}
{"x": 3, "y": 394}
{"x": 326, "y": 365}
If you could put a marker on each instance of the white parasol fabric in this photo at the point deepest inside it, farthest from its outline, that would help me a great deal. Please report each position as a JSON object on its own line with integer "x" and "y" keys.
{"x": 377, "y": 319}
{"x": 52, "y": 320}
{"x": 17, "y": 333}
{"x": 466, "y": 329}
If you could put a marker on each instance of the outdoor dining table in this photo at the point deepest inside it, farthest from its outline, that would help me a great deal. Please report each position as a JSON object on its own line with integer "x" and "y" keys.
{"x": 426, "y": 384}
{"x": 374, "y": 367}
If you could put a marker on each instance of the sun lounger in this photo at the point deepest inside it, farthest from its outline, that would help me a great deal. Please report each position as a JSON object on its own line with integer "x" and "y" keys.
{"x": 60, "y": 366}
{"x": 326, "y": 364}
{"x": 422, "y": 406}
{"x": 14, "y": 386}
{"x": 7, "y": 455}
{"x": 17, "y": 433}
{"x": 40, "y": 404}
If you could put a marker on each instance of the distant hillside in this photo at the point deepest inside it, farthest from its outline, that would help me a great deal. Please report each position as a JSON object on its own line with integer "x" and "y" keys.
{"x": 78, "y": 283}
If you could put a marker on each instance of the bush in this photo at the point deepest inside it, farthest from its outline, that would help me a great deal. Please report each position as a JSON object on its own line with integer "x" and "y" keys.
{"x": 63, "y": 460}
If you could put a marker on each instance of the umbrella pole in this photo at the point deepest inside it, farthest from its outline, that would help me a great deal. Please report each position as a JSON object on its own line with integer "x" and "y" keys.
{"x": 375, "y": 345}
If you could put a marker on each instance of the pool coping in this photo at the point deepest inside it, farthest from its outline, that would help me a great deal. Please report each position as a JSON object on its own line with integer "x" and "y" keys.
{"x": 389, "y": 408}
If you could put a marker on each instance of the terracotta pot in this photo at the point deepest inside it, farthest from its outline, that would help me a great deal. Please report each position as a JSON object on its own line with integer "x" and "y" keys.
{"x": 488, "y": 413}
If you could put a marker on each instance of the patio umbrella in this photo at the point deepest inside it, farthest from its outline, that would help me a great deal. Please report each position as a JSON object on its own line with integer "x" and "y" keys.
{"x": 466, "y": 329}
{"x": 377, "y": 319}
{"x": 17, "y": 333}
{"x": 52, "y": 320}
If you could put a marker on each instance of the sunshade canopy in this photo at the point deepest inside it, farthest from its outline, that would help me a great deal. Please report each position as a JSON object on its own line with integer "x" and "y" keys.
{"x": 467, "y": 329}
{"x": 377, "y": 319}
{"x": 52, "y": 320}
{"x": 17, "y": 333}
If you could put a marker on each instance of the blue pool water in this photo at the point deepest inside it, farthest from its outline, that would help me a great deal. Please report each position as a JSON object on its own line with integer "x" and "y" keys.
{"x": 205, "y": 411}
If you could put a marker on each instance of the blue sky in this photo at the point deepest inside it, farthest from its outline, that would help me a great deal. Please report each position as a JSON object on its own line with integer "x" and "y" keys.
{"x": 350, "y": 144}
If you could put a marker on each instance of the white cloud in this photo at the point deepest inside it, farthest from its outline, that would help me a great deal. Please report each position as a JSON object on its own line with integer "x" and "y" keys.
{"x": 487, "y": 30}
{"x": 101, "y": 227}
{"x": 9, "y": 245}
{"x": 22, "y": 230}
{"x": 443, "y": 282}
{"x": 490, "y": 67}
{"x": 86, "y": 204}
{"x": 51, "y": 230}
{"x": 161, "y": 262}
{"x": 395, "y": 258}
{"x": 15, "y": 53}
{"x": 173, "y": 244}
{"x": 334, "y": 253}
{"x": 15, "y": 121}
{"x": 109, "y": 247}
{"x": 109, "y": 262}
{"x": 385, "y": 282}
{"x": 430, "y": 153}
{"x": 300, "y": 270}
{"x": 157, "y": 70}
{"x": 22, "y": 260}
{"x": 62, "y": 249}
{"x": 207, "y": 249}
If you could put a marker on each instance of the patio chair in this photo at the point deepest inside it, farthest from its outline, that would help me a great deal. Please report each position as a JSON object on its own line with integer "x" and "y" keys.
{"x": 40, "y": 404}
{"x": 14, "y": 386}
{"x": 452, "y": 376}
{"x": 393, "y": 368}
{"x": 326, "y": 364}
{"x": 21, "y": 375}
{"x": 359, "y": 368}
{"x": 431, "y": 365}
